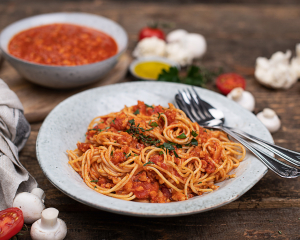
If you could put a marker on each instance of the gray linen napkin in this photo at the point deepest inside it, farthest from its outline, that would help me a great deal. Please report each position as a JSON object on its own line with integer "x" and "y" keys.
{"x": 14, "y": 132}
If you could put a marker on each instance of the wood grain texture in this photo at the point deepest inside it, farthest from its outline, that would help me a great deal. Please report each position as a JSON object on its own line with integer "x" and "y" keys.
{"x": 236, "y": 35}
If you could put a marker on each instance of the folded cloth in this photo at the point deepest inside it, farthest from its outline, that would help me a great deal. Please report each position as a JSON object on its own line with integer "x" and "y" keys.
{"x": 14, "y": 132}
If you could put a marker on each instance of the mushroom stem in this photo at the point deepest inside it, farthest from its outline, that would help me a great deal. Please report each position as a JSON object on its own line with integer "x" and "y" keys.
{"x": 39, "y": 193}
{"x": 49, "y": 218}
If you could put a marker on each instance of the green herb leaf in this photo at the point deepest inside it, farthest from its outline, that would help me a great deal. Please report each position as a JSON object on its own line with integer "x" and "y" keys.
{"x": 161, "y": 153}
{"x": 127, "y": 156}
{"x": 131, "y": 121}
{"x": 107, "y": 128}
{"x": 135, "y": 155}
{"x": 113, "y": 121}
{"x": 137, "y": 112}
{"x": 111, "y": 153}
{"x": 149, "y": 162}
{"x": 95, "y": 187}
{"x": 167, "y": 146}
{"x": 194, "y": 134}
{"x": 181, "y": 136}
{"x": 148, "y": 106}
{"x": 199, "y": 182}
{"x": 95, "y": 181}
{"x": 153, "y": 124}
{"x": 149, "y": 129}
{"x": 178, "y": 146}
{"x": 194, "y": 142}
{"x": 176, "y": 155}
{"x": 171, "y": 75}
{"x": 279, "y": 232}
{"x": 195, "y": 75}
{"x": 24, "y": 228}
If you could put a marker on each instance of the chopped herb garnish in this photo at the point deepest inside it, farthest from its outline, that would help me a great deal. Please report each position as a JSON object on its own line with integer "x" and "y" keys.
{"x": 194, "y": 134}
{"x": 176, "y": 155}
{"x": 158, "y": 115}
{"x": 154, "y": 124}
{"x": 111, "y": 153}
{"x": 199, "y": 182}
{"x": 148, "y": 106}
{"x": 167, "y": 146}
{"x": 194, "y": 142}
{"x": 95, "y": 187}
{"x": 149, "y": 129}
{"x": 127, "y": 156}
{"x": 279, "y": 232}
{"x": 148, "y": 163}
{"x": 204, "y": 130}
{"x": 161, "y": 153}
{"x": 137, "y": 112}
{"x": 113, "y": 121}
{"x": 181, "y": 136}
{"x": 95, "y": 181}
{"x": 178, "y": 146}
{"x": 107, "y": 127}
{"x": 137, "y": 132}
{"x": 135, "y": 155}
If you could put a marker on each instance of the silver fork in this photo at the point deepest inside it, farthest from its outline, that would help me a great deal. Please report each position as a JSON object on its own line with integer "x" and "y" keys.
{"x": 207, "y": 116}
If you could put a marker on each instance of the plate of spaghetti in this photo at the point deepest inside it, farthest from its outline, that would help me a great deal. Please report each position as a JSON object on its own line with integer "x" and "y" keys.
{"x": 125, "y": 148}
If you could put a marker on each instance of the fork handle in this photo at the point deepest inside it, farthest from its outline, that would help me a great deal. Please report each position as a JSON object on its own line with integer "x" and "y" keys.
{"x": 280, "y": 168}
{"x": 288, "y": 155}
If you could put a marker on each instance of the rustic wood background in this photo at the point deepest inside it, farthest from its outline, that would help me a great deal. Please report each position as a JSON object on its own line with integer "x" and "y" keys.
{"x": 236, "y": 35}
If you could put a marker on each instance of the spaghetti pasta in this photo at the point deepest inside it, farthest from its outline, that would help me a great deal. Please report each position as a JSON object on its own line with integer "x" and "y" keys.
{"x": 153, "y": 154}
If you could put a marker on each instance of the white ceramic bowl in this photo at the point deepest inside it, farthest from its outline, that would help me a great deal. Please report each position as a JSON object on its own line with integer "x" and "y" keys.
{"x": 67, "y": 124}
{"x": 64, "y": 76}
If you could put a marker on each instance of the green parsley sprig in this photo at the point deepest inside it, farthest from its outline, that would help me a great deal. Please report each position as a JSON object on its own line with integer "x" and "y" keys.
{"x": 198, "y": 76}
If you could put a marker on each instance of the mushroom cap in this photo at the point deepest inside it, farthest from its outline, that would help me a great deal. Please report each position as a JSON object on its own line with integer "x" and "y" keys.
{"x": 57, "y": 233}
{"x": 243, "y": 98}
{"x": 270, "y": 119}
{"x": 176, "y": 35}
{"x": 151, "y": 46}
{"x": 195, "y": 43}
{"x": 49, "y": 227}
{"x": 31, "y": 206}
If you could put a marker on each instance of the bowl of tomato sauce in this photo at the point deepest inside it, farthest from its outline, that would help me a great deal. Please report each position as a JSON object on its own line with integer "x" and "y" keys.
{"x": 63, "y": 50}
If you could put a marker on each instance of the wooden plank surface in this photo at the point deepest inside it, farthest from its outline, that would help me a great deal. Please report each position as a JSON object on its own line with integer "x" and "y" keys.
{"x": 236, "y": 35}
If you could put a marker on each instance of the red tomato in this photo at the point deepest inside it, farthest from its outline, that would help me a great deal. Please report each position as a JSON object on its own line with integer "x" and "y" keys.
{"x": 151, "y": 32}
{"x": 228, "y": 81}
{"x": 11, "y": 222}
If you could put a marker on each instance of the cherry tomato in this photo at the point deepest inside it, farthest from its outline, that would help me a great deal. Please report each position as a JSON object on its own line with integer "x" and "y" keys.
{"x": 11, "y": 222}
{"x": 228, "y": 81}
{"x": 151, "y": 32}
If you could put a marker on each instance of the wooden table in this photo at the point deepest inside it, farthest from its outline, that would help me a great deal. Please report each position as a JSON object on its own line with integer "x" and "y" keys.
{"x": 236, "y": 35}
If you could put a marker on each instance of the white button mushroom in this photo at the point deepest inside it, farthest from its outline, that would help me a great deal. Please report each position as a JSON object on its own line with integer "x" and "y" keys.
{"x": 31, "y": 204}
{"x": 150, "y": 47}
{"x": 276, "y": 72}
{"x": 195, "y": 44}
{"x": 243, "y": 98}
{"x": 176, "y": 35}
{"x": 177, "y": 53}
{"x": 49, "y": 227}
{"x": 270, "y": 119}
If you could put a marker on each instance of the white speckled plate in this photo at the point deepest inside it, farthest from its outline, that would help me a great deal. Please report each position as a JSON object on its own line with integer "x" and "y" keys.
{"x": 68, "y": 122}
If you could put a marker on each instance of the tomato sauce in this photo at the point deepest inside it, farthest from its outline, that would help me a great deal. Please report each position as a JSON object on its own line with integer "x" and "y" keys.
{"x": 62, "y": 45}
